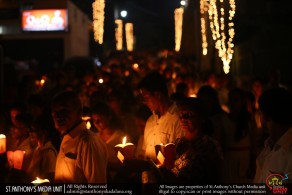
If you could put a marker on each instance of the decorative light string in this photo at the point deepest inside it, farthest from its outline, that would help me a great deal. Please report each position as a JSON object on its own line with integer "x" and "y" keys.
{"x": 203, "y": 9}
{"x": 98, "y": 20}
{"x": 178, "y": 19}
{"x": 119, "y": 34}
{"x": 129, "y": 36}
{"x": 218, "y": 29}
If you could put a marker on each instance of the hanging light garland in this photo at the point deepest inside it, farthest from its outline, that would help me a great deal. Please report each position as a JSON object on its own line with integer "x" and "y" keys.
{"x": 203, "y": 9}
{"x": 129, "y": 36}
{"x": 98, "y": 20}
{"x": 119, "y": 34}
{"x": 218, "y": 29}
{"x": 178, "y": 19}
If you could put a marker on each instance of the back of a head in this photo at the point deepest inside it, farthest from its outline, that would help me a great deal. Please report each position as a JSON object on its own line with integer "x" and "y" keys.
{"x": 182, "y": 88}
{"x": 24, "y": 119}
{"x": 276, "y": 104}
{"x": 209, "y": 91}
{"x": 210, "y": 96}
{"x": 154, "y": 82}
{"x": 42, "y": 124}
{"x": 68, "y": 99}
{"x": 237, "y": 100}
{"x": 193, "y": 104}
{"x": 36, "y": 100}
{"x": 103, "y": 109}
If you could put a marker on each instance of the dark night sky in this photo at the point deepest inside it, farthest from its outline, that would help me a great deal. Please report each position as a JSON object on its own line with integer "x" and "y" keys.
{"x": 262, "y": 32}
{"x": 153, "y": 20}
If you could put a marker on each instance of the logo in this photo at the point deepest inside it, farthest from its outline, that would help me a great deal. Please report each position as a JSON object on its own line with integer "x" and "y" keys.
{"x": 275, "y": 182}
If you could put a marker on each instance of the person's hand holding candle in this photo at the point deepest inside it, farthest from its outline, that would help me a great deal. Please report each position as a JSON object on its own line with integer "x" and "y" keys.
{"x": 125, "y": 151}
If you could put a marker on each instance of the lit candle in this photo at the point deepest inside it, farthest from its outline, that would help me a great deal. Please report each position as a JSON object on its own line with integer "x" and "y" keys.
{"x": 160, "y": 158}
{"x": 38, "y": 181}
{"x": 15, "y": 159}
{"x": 165, "y": 154}
{"x": 88, "y": 125}
{"x": 125, "y": 150}
{"x": 86, "y": 118}
{"x": 2, "y": 143}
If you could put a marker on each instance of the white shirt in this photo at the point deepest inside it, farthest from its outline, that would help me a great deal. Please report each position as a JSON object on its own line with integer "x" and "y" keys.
{"x": 275, "y": 160}
{"x": 163, "y": 130}
{"x": 82, "y": 157}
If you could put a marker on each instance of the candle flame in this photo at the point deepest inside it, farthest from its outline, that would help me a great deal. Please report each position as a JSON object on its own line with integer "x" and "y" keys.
{"x": 125, "y": 140}
{"x": 2, "y": 136}
{"x": 38, "y": 180}
{"x": 86, "y": 118}
{"x": 88, "y": 125}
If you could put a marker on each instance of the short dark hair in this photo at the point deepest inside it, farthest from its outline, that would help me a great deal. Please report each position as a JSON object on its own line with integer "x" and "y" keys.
{"x": 69, "y": 99}
{"x": 193, "y": 104}
{"x": 276, "y": 103}
{"x": 103, "y": 109}
{"x": 25, "y": 119}
{"x": 154, "y": 82}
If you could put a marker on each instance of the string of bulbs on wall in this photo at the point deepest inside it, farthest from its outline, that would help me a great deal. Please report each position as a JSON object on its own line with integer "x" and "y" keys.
{"x": 212, "y": 11}
{"x": 217, "y": 18}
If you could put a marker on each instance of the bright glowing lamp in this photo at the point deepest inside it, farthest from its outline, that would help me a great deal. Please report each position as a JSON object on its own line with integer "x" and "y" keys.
{"x": 129, "y": 36}
{"x": 98, "y": 20}
{"x": 124, "y": 13}
{"x": 178, "y": 19}
{"x": 119, "y": 34}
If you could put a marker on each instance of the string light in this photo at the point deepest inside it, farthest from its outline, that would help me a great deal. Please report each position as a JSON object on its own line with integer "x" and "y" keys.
{"x": 203, "y": 9}
{"x": 225, "y": 49}
{"x": 129, "y": 36}
{"x": 178, "y": 18}
{"x": 119, "y": 34}
{"x": 98, "y": 20}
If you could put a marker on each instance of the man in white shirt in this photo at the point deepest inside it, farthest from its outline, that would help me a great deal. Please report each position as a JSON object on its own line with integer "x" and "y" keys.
{"x": 83, "y": 156}
{"x": 276, "y": 157}
{"x": 163, "y": 126}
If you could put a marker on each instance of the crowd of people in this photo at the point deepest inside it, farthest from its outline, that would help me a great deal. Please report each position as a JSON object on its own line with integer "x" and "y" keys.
{"x": 222, "y": 132}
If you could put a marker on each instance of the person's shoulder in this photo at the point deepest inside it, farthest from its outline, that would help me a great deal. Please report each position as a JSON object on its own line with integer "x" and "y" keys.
{"x": 173, "y": 109}
{"x": 25, "y": 145}
{"x": 90, "y": 139}
{"x": 286, "y": 141}
{"x": 87, "y": 135}
{"x": 172, "y": 114}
